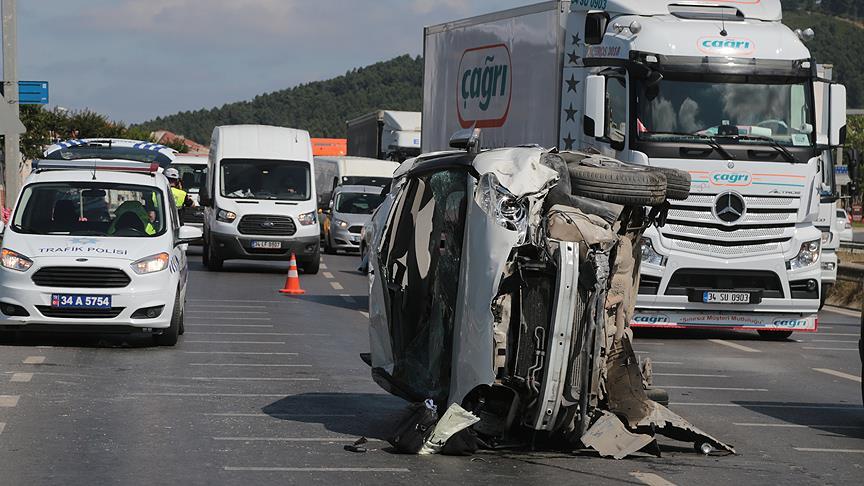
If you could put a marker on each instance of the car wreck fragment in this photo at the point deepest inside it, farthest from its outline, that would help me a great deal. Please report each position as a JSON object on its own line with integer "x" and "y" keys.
{"x": 504, "y": 282}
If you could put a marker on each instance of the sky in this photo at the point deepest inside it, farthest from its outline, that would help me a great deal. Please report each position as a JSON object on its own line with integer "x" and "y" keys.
{"x": 134, "y": 60}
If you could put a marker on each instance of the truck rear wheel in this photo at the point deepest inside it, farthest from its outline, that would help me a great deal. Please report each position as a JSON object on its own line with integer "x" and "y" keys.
{"x": 775, "y": 335}
{"x": 618, "y": 183}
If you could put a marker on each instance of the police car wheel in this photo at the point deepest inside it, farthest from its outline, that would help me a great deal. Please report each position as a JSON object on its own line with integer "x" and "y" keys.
{"x": 775, "y": 335}
{"x": 170, "y": 335}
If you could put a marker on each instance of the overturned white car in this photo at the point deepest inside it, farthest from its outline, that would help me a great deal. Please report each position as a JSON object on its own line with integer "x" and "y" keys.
{"x": 504, "y": 281}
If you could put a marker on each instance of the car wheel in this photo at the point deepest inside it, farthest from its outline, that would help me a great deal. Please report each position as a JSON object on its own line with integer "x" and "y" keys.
{"x": 169, "y": 336}
{"x": 328, "y": 250}
{"x": 214, "y": 263}
{"x": 775, "y": 335}
{"x": 311, "y": 266}
{"x": 619, "y": 184}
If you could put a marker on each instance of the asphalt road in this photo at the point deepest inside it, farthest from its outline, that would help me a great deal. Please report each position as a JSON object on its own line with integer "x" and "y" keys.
{"x": 267, "y": 389}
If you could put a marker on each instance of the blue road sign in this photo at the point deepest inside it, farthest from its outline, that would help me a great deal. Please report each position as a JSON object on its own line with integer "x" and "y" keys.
{"x": 32, "y": 92}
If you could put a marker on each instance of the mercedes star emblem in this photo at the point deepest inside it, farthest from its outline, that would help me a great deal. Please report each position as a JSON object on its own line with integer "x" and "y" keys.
{"x": 729, "y": 207}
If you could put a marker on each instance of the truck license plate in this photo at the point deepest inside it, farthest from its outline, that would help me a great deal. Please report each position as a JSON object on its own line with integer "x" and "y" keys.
{"x": 712, "y": 297}
{"x": 73, "y": 301}
{"x": 269, "y": 245}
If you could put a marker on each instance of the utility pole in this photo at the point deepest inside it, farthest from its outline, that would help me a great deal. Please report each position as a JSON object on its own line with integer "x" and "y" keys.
{"x": 12, "y": 151}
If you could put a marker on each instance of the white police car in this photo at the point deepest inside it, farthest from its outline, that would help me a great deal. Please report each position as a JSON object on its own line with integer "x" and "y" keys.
{"x": 94, "y": 243}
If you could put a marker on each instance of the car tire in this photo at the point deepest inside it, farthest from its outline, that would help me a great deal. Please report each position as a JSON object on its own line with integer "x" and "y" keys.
{"x": 775, "y": 335}
{"x": 677, "y": 183}
{"x": 618, "y": 183}
{"x": 328, "y": 250}
{"x": 170, "y": 335}
{"x": 214, "y": 263}
{"x": 311, "y": 266}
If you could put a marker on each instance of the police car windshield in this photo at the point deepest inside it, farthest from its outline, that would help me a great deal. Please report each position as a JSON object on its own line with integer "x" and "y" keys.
{"x": 265, "y": 179}
{"x": 742, "y": 112}
{"x": 90, "y": 209}
{"x": 357, "y": 203}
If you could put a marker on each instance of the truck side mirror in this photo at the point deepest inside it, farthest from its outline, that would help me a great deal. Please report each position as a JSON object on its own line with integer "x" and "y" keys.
{"x": 594, "y": 120}
{"x": 595, "y": 27}
{"x": 837, "y": 124}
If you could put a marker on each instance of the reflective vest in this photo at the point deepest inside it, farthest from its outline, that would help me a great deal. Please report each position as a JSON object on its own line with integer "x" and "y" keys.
{"x": 179, "y": 196}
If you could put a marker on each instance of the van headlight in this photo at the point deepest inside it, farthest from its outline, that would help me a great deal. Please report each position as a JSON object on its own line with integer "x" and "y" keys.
{"x": 807, "y": 255}
{"x": 226, "y": 216}
{"x": 15, "y": 261}
{"x": 650, "y": 255}
{"x": 308, "y": 218}
{"x": 151, "y": 264}
{"x": 505, "y": 208}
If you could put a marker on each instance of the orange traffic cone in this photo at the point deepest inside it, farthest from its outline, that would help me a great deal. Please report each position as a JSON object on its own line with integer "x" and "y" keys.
{"x": 292, "y": 283}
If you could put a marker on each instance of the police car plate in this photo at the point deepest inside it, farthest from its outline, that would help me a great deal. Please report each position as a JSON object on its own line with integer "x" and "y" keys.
{"x": 712, "y": 297}
{"x": 75, "y": 301}
{"x": 269, "y": 245}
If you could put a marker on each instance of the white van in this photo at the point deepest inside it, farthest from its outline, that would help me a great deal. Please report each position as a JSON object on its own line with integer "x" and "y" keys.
{"x": 259, "y": 198}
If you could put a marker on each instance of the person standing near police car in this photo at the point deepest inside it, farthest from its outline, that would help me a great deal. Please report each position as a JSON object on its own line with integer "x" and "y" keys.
{"x": 181, "y": 197}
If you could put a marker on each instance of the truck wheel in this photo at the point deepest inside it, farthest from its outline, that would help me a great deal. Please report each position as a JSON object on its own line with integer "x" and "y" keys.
{"x": 310, "y": 267}
{"x": 618, "y": 183}
{"x": 214, "y": 263}
{"x": 677, "y": 183}
{"x": 775, "y": 335}
{"x": 169, "y": 336}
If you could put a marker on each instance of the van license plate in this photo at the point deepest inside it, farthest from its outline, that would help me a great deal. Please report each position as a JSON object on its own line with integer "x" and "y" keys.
{"x": 711, "y": 297}
{"x": 268, "y": 245}
{"x": 74, "y": 301}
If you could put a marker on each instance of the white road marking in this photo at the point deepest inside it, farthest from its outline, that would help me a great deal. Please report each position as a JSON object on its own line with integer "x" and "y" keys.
{"x": 840, "y": 310}
{"x": 278, "y": 415}
{"x": 327, "y": 274}
{"x": 291, "y": 439}
{"x": 677, "y": 387}
{"x": 650, "y": 479}
{"x": 235, "y": 342}
{"x": 34, "y": 360}
{"x": 839, "y": 374}
{"x": 242, "y": 352}
{"x": 255, "y": 334}
{"x": 692, "y": 375}
{"x": 337, "y": 286}
{"x": 845, "y": 451}
{"x": 348, "y": 298}
{"x": 364, "y": 314}
{"x": 828, "y": 349}
{"x": 9, "y": 401}
{"x": 254, "y": 365}
{"x": 739, "y": 347}
{"x": 318, "y": 469}
{"x": 324, "y": 265}
{"x": 771, "y": 405}
{"x": 799, "y": 426}
{"x": 200, "y": 319}
{"x": 21, "y": 377}
{"x": 229, "y": 325}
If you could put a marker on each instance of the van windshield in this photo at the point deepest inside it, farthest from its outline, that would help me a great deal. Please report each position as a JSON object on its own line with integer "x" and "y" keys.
{"x": 265, "y": 179}
{"x": 191, "y": 176}
{"x": 90, "y": 209}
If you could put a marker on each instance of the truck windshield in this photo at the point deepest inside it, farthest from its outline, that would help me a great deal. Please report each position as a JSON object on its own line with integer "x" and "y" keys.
{"x": 191, "y": 176}
{"x": 265, "y": 179}
{"x": 750, "y": 113}
{"x": 90, "y": 209}
{"x": 357, "y": 203}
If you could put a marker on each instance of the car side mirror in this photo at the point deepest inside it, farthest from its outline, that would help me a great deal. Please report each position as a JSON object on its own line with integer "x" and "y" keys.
{"x": 188, "y": 235}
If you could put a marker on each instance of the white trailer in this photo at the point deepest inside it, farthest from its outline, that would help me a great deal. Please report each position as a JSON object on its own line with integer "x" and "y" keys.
{"x": 721, "y": 89}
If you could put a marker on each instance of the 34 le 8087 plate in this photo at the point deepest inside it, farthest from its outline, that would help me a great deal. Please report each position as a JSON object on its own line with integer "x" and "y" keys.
{"x": 76, "y": 301}
{"x": 714, "y": 297}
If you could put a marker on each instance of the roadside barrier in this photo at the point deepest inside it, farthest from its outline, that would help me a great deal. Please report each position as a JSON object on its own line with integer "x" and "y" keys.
{"x": 292, "y": 283}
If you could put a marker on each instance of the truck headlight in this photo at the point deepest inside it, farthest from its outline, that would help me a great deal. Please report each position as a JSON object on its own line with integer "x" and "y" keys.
{"x": 650, "y": 255}
{"x": 507, "y": 210}
{"x": 807, "y": 255}
{"x": 826, "y": 238}
{"x": 340, "y": 224}
{"x": 15, "y": 261}
{"x": 151, "y": 264}
{"x": 308, "y": 218}
{"x": 226, "y": 216}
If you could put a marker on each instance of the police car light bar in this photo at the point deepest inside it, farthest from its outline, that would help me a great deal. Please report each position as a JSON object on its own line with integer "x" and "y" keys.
{"x": 114, "y": 165}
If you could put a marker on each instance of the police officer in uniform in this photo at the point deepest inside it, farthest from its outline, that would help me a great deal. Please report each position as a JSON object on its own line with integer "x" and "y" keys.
{"x": 181, "y": 197}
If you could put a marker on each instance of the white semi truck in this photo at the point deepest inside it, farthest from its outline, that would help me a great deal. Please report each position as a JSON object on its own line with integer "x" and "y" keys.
{"x": 719, "y": 88}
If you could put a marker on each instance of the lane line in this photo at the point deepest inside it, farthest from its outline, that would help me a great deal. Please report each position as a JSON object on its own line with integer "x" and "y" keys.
{"x": 337, "y": 286}
{"x": 650, "y": 479}
{"x": 324, "y": 265}
{"x": 247, "y": 353}
{"x": 692, "y": 375}
{"x": 799, "y": 426}
{"x": 34, "y": 360}
{"x": 845, "y": 451}
{"x": 364, "y": 314}
{"x": 739, "y": 347}
{"x": 317, "y": 469}
{"x": 256, "y": 334}
{"x": 278, "y": 415}
{"x": 327, "y": 274}
{"x": 291, "y": 439}
{"x": 828, "y": 349}
{"x": 21, "y": 377}
{"x": 9, "y": 401}
{"x": 839, "y": 374}
{"x": 678, "y": 387}
{"x": 229, "y": 325}
{"x": 235, "y": 342}
{"x": 254, "y": 365}
{"x": 770, "y": 405}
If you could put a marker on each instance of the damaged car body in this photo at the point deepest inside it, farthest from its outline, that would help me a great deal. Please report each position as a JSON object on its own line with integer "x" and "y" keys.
{"x": 504, "y": 281}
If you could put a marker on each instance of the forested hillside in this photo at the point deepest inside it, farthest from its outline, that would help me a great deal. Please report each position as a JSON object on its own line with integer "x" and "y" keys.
{"x": 320, "y": 107}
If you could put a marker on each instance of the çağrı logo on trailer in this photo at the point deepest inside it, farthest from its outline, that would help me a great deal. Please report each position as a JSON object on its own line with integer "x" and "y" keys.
{"x": 484, "y": 86}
